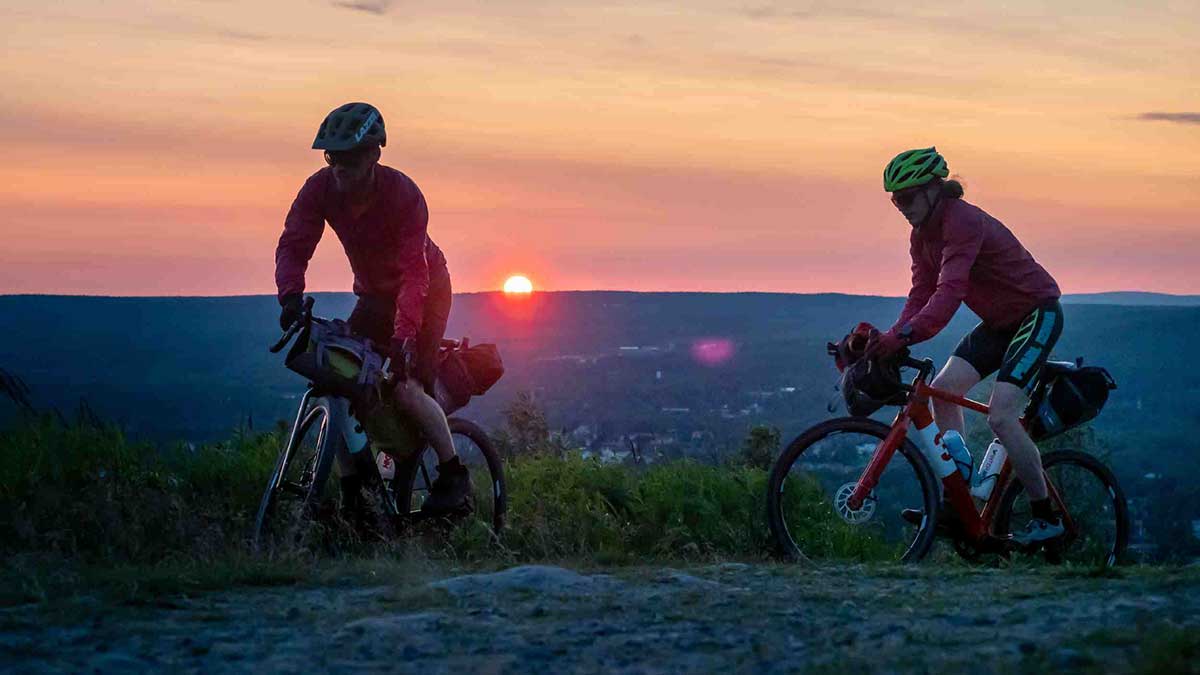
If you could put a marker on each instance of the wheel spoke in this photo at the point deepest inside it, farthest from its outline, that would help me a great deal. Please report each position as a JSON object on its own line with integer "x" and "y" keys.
{"x": 475, "y": 451}
{"x": 296, "y": 489}
{"x": 282, "y": 523}
{"x": 1099, "y": 526}
{"x": 811, "y": 513}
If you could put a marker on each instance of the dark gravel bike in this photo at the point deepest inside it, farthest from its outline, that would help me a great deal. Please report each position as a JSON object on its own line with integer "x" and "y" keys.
{"x": 300, "y": 499}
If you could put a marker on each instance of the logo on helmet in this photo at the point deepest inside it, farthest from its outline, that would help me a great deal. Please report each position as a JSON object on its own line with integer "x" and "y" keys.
{"x": 366, "y": 126}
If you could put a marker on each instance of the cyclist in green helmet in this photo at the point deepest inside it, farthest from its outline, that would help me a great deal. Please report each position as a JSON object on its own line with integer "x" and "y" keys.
{"x": 961, "y": 254}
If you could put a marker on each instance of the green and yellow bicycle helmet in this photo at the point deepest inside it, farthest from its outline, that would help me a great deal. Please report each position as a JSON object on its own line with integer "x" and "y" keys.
{"x": 914, "y": 167}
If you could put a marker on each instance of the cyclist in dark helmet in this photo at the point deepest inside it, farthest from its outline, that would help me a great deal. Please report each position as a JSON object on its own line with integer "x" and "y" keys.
{"x": 400, "y": 278}
{"x": 960, "y": 254}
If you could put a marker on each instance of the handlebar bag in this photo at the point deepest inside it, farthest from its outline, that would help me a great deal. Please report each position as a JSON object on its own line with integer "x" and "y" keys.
{"x": 868, "y": 385}
{"x": 334, "y": 359}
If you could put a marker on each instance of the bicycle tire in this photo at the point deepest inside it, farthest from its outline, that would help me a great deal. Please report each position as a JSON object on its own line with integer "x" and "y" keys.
{"x": 318, "y": 412}
{"x": 788, "y": 546}
{"x": 408, "y": 472}
{"x": 1098, "y": 469}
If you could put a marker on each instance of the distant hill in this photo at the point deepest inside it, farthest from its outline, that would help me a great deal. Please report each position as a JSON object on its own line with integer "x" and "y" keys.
{"x": 193, "y": 367}
{"x": 1133, "y": 298}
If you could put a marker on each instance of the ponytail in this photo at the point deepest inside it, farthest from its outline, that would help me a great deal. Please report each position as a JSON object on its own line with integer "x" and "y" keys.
{"x": 952, "y": 188}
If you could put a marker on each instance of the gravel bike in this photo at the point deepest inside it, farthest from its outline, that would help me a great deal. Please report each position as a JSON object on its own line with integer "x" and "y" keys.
{"x": 838, "y": 491}
{"x": 299, "y": 494}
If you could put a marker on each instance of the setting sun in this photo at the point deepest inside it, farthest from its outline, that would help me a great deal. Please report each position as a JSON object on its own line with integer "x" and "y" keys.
{"x": 518, "y": 284}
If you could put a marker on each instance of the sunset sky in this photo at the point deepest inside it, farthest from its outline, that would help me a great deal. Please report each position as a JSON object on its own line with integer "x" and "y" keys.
{"x": 153, "y": 148}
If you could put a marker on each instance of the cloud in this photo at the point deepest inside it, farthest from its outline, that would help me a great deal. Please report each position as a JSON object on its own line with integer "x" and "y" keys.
{"x": 1178, "y": 117}
{"x": 377, "y": 7}
{"x": 242, "y": 36}
{"x": 814, "y": 10}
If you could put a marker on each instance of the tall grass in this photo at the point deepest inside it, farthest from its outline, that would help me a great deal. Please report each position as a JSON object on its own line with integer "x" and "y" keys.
{"x": 86, "y": 494}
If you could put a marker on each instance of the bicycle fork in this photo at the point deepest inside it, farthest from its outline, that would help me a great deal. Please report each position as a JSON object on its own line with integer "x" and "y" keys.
{"x": 288, "y": 449}
{"x": 954, "y": 488}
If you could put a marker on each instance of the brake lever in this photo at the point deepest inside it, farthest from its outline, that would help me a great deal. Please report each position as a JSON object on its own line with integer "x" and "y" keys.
{"x": 299, "y": 323}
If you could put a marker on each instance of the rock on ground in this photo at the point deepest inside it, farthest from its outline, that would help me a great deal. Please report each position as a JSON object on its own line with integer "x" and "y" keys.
{"x": 720, "y": 618}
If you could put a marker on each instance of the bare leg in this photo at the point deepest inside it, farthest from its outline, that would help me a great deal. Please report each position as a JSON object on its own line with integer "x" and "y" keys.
{"x": 956, "y": 377}
{"x": 1008, "y": 400}
{"x": 429, "y": 416}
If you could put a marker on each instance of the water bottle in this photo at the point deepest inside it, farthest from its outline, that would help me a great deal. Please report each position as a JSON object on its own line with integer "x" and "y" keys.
{"x": 925, "y": 438}
{"x": 954, "y": 444}
{"x": 387, "y": 466}
{"x": 989, "y": 470}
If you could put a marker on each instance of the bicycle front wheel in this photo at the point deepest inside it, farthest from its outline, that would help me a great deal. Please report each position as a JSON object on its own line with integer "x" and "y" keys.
{"x": 475, "y": 450}
{"x": 294, "y": 496}
{"x": 1098, "y": 531}
{"x": 809, "y": 485}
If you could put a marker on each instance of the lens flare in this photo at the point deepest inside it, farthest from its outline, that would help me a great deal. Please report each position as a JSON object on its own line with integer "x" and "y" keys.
{"x": 712, "y": 351}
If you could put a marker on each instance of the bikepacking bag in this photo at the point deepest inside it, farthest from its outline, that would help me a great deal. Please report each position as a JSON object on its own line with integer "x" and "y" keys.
{"x": 869, "y": 385}
{"x": 465, "y": 371}
{"x": 334, "y": 359}
{"x": 1071, "y": 397}
{"x": 866, "y": 384}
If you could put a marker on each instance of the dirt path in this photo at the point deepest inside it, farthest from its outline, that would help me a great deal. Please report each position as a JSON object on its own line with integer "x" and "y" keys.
{"x": 721, "y": 618}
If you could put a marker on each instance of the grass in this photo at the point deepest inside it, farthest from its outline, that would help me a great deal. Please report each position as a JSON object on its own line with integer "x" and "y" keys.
{"x": 83, "y": 507}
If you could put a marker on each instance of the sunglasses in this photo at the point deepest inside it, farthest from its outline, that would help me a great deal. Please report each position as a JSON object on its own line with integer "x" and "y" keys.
{"x": 904, "y": 198}
{"x": 347, "y": 158}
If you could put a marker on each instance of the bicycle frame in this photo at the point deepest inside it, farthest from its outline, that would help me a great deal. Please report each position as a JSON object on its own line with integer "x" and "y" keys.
{"x": 977, "y": 524}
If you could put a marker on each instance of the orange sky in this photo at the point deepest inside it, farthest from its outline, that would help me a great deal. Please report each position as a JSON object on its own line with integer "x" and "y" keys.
{"x": 154, "y": 149}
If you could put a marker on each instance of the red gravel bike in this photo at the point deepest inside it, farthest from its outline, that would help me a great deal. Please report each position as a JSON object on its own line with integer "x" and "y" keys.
{"x": 838, "y": 491}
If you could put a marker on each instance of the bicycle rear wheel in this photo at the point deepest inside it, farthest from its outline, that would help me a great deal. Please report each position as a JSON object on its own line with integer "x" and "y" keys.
{"x": 808, "y": 487}
{"x": 415, "y": 477}
{"x": 294, "y": 498}
{"x": 1094, "y": 501}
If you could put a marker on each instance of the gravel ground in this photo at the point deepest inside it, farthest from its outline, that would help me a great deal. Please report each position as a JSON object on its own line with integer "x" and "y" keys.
{"x": 730, "y": 617}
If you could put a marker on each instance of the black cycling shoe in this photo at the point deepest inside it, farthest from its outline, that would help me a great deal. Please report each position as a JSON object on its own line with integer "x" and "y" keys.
{"x": 451, "y": 492}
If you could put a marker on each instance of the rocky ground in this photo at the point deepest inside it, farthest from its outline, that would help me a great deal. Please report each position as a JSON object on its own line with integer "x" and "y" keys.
{"x": 718, "y": 618}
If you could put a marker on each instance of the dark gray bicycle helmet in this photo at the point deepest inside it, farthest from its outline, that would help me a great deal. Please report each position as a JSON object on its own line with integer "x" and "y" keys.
{"x": 351, "y": 126}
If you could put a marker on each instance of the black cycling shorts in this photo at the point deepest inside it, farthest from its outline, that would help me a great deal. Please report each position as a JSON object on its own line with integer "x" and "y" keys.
{"x": 1016, "y": 355}
{"x": 373, "y": 317}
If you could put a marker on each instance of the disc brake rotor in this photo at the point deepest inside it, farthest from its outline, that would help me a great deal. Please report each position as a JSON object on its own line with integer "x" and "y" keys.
{"x": 853, "y": 516}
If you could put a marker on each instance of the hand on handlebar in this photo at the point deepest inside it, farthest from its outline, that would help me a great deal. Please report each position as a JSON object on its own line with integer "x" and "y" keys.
{"x": 290, "y": 322}
{"x": 291, "y": 309}
{"x": 884, "y": 346}
{"x": 403, "y": 358}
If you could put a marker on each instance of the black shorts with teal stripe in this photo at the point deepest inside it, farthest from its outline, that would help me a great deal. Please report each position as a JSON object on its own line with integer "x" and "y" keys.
{"x": 1016, "y": 355}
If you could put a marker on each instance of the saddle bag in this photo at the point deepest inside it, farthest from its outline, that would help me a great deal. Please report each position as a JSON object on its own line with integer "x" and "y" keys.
{"x": 1072, "y": 396}
{"x": 465, "y": 371}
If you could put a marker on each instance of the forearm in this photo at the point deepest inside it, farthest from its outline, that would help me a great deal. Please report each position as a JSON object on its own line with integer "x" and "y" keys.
{"x": 936, "y": 313}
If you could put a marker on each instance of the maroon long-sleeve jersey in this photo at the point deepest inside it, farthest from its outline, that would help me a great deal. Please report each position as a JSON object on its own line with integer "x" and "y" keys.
{"x": 965, "y": 255}
{"x": 388, "y": 246}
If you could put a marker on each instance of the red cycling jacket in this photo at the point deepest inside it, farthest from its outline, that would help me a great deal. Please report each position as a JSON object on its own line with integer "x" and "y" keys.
{"x": 965, "y": 255}
{"x": 389, "y": 250}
